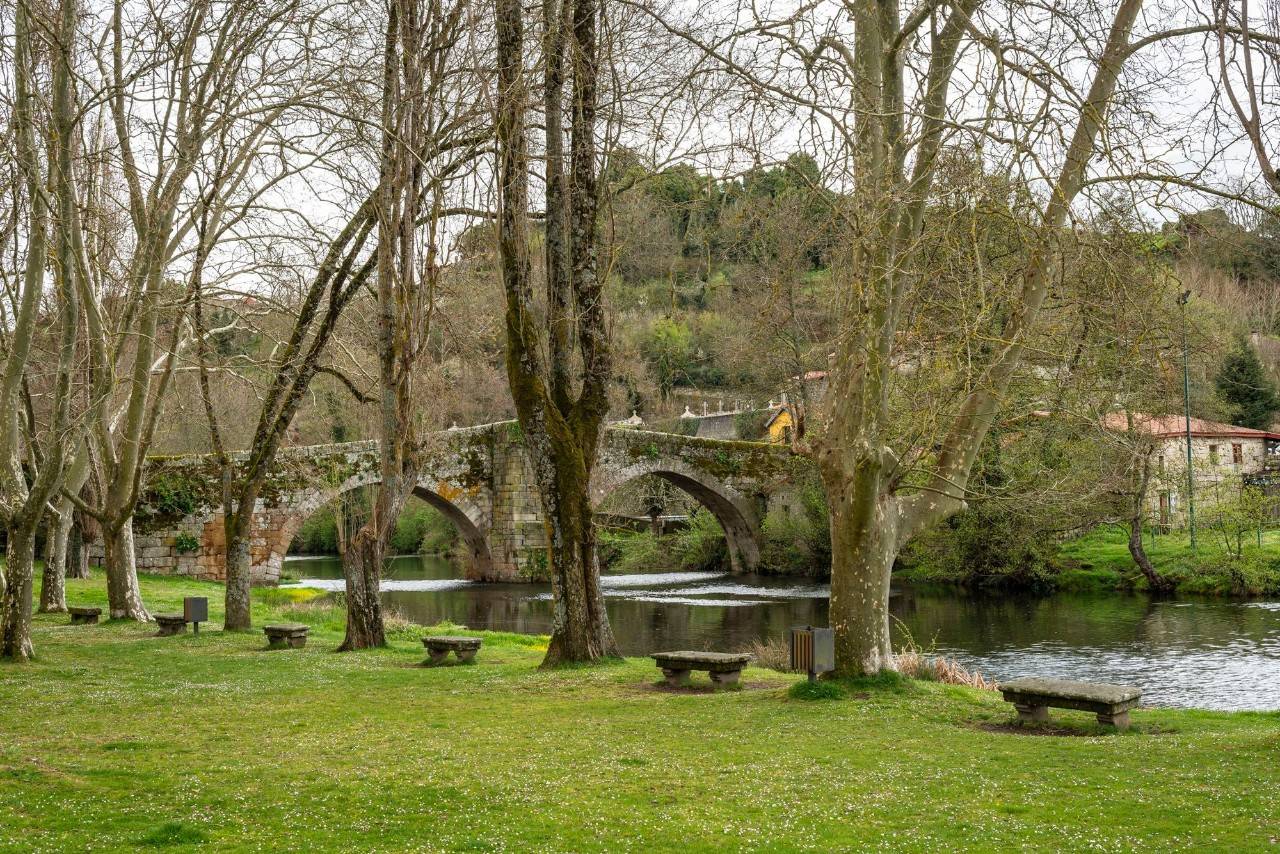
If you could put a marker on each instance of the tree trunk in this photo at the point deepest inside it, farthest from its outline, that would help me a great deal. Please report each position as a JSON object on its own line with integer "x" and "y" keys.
{"x": 863, "y": 549}
{"x": 1142, "y": 477}
{"x": 15, "y": 606}
{"x": 77, "y": 549}
{"x": 362, "y": 567}
{"x": 580, "y": 625}
{"x": 238, "y": 615}
{"x": 53, "y": 590}
{"x": 124, "y": 599}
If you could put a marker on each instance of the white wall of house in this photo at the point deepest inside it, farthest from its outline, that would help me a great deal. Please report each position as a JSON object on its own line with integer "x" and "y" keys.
{"x": 1218, "y": 464}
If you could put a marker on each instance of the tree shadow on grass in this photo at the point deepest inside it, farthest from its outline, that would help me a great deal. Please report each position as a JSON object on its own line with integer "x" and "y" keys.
{"x": 1067, "y": 729}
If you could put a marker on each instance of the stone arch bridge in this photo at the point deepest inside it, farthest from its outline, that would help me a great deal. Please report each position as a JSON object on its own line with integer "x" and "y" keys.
{"x": 478, "y": 477}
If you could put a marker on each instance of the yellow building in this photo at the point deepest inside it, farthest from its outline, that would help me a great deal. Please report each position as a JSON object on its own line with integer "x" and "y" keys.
{"x": 781, "y": 425}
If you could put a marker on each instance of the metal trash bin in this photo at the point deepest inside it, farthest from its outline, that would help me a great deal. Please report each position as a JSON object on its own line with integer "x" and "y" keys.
{"x": 813, "y": 650}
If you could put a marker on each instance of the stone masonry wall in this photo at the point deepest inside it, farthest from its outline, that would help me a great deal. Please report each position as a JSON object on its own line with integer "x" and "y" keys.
{"x": 482, "y": 476}
{"x": 517, "y": 539}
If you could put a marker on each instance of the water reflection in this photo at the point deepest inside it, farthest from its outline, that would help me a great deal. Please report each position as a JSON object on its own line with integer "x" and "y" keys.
{"x": 1202, "y": 653}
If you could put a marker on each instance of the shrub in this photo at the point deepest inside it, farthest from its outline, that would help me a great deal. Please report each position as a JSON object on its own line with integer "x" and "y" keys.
{"x": 421, "y": 529}
{"x": 699, "y": 547}
{"x": 172, "y": 496}
{"x": 184, "y": 543}
{"x": 799, "y": 542}
{"x": 772, "y": 654}
{"x": 1238, "y": 516}
{"x": 318, "y": 534}
{"x": 988, "y": 545}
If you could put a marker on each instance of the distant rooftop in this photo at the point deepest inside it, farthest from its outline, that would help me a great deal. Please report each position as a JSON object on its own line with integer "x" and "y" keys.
{"x": 1169, "y": 426}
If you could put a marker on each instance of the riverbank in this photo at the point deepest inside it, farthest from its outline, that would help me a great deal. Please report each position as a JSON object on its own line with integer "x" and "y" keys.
{"x": 1099, "y": 560}
{"x": 114, "y": 738}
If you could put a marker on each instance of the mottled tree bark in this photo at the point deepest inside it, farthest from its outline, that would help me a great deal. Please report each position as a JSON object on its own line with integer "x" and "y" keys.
{"x": 863, "y": 548}
{"x": 561, "y": 429}
{"x": 124, "y": 598}
{"x": 15, "y": 604}
{"x": 78, "y": 549}
{"x": 53, "y": 588}
{"x": 362, "y": 570}
{"x": 237, "y": 601}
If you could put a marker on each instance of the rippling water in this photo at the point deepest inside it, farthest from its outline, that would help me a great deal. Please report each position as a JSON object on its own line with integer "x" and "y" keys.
{"x": 1199, "y": 653}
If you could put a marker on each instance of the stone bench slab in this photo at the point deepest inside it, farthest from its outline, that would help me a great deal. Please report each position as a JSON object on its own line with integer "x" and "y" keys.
{"x": 1032, "y": 696}
{"x": 712, "y": 662}
{"x": 448, "y": 642}
{"x": 724, "y": 668}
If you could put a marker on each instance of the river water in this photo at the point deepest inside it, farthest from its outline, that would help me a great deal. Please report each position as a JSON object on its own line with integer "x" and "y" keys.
{"x": 1202, "y": 653}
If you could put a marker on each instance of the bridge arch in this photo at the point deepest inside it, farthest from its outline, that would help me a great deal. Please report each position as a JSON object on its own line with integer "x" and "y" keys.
{"x": 468, "y": 514}
{"x": 732, "y": 510}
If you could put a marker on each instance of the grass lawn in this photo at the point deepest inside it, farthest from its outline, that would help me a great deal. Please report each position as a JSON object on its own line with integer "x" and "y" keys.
{"x": 114, "y": 739}
{"x": 1101, "y": 559}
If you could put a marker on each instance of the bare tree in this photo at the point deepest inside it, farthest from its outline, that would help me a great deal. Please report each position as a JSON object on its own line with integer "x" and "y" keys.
{"x": 1249, "y": 74}
{"x": 42, "y": 451}
{"x": 426, "y": 106}
{"x": 560, "y": 424}
{"x": 888, "y": 91}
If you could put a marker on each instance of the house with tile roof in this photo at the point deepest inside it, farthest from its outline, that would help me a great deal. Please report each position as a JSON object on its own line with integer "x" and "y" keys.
{"x": 1224, "y": 457}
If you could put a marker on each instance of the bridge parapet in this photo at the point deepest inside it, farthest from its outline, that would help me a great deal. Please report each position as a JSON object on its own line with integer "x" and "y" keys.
{"x": 479, "y": 477}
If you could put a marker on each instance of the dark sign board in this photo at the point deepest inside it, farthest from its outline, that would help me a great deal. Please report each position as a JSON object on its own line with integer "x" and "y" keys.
{"x": 195, "y": 609}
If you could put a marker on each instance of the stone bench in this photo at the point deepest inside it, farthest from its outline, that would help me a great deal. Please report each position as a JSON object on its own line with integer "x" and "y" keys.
{"x": 439, "y": 647}
{"x": 84, "y": 616}
{"x": 283, "y": 635}
{"x": 170, "y": 624}
{"x": 724, "y": 668}
{"x": 1033, "y": 696}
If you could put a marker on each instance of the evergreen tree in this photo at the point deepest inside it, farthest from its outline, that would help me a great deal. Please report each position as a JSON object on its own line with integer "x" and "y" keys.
{"x": 1249, "y": 393}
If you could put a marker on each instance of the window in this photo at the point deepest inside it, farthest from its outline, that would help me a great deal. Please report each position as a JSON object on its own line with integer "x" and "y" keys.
{"x": 1160, "y": 464}
{"x": 1213, "y": 455}
{"x": 1237, "y": 453}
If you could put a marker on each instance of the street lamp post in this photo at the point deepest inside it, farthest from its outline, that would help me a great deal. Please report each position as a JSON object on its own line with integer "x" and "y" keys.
{"x": 1183, "y": 299}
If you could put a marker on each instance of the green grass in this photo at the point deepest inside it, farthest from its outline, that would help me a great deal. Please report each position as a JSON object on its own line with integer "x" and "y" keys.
{"x": 115, "y": 739}
{"x": 1100, "y": 560}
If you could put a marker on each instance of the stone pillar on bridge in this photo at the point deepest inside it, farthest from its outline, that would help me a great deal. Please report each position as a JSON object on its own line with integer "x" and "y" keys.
{"x": 517, "y": 538}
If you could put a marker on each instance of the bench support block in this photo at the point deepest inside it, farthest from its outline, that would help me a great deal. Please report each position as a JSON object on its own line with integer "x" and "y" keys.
{"x": 725, "y": 677}
{"x": 1119, "y": 720}
{"x": 168, "y": 628}
{"x": 676, "y": 678}
{"x": 286, "y": 635}
{"x": 1032, "y": 714}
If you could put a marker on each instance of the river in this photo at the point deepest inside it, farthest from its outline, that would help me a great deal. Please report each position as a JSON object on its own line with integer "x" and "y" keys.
{"x": 1202, "y": 653}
